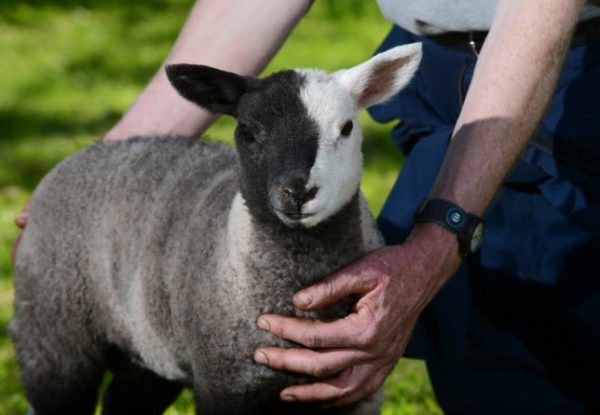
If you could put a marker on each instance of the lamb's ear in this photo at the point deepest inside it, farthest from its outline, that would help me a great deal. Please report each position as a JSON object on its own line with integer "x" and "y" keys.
{"x": 213, "y": 89}
{"x": 382, "y": 76}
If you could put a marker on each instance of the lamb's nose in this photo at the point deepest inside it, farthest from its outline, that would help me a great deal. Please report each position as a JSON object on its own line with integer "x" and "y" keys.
{"x": 295, "y": 190}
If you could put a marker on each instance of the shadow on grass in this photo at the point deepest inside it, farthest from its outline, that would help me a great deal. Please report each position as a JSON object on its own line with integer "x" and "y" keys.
{"x": 133, "y": 7}
{"x": 18, "y": 124}
{"x": 333, "y": 9}
{"x": 10, "y": 387}
{"x": 30, "y": 147}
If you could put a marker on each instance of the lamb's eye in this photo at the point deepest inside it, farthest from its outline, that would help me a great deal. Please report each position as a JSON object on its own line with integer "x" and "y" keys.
{"x": 347, "y": 129}
{"x": 244, "y": 132}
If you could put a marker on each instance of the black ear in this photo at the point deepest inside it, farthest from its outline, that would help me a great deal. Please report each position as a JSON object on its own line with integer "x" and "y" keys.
{"x": 215, "y": 90}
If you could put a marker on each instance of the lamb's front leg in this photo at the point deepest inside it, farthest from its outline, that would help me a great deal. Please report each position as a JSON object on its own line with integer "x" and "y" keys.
{"x": 145, "y": 393}
{"x": 205, "y": 401}
{"x": 369, "y": 406}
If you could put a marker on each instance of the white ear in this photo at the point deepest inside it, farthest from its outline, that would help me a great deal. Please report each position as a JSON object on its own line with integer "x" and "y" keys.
{"x": 382, "y": 76}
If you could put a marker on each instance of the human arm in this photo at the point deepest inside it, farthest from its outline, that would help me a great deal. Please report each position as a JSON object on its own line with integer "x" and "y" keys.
{"x": 512, "y": 85}
{"x": 236, "y": 35}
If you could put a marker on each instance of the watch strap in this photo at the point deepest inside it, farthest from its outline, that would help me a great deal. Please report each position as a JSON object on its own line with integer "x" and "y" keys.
{"x": 453, "y": 218}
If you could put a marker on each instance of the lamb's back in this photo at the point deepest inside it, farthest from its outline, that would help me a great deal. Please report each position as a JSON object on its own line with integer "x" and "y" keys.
{"x": 112, "y": 226}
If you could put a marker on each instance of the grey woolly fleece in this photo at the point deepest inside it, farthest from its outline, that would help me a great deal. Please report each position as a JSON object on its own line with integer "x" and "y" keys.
{"x": 134, "y": 246}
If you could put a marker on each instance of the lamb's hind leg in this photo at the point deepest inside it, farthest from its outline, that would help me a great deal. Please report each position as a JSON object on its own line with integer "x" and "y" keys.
{"x": 58, "y": 383}
{"x": 60, "y": 366}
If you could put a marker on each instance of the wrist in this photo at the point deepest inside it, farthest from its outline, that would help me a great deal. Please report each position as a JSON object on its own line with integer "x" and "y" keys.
{"x": 423, "y": 264}
{"x": 437, "y": 246}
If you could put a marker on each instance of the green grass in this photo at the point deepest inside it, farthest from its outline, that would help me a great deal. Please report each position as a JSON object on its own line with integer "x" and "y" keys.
{"x": 69, "y": 69}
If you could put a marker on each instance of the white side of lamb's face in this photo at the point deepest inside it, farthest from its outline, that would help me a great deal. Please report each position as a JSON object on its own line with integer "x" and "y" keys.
{"x": 332, "y": 102}
{"x": 337, "y": 168}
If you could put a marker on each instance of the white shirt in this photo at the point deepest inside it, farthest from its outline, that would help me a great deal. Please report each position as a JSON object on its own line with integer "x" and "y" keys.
{"x": 431, "y": 17}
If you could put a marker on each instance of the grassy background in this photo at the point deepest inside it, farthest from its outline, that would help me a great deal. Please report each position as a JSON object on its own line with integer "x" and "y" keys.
{"x": 70, "y": 68}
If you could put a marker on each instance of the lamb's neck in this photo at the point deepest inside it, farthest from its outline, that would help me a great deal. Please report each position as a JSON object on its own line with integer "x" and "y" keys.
{"x": 293, "y": 258}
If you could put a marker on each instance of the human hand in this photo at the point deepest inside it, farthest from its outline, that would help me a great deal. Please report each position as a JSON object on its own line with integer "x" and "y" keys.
{"x": 353, "y": 355}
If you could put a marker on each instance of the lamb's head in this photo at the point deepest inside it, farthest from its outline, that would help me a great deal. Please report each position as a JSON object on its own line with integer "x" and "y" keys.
{"x": 298, "y": 137}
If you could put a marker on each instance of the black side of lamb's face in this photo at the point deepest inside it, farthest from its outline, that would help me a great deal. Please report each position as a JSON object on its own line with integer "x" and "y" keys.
{"x": 298, "y": 138}
{"x": 277, "y": 143}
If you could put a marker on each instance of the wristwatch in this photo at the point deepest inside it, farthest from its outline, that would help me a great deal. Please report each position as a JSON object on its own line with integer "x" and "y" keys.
{"x": 467, "y": 227}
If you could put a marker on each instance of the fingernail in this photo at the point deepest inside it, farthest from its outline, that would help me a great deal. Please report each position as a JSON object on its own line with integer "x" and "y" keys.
{"x": 261, "y": 357}
{"x": 288, "y": 398}
{"x": 304, "y": 299}
{"x": 262, "y": 324}
{"x": 21, "y": 220}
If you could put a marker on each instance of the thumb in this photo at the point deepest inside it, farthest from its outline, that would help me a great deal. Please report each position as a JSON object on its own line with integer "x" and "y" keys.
{"x": 341, "y": 284}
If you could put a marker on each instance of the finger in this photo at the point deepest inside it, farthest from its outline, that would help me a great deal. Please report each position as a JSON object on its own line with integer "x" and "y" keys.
{"x": 348, "y": 281}
{"x": 368, "y": 388}
{"x": 314, "y": 333}
{"x": 350, "y": 386}
{"x": 319, "y": 364}
{"x": 332, "y": 390}
{"x": 21, "y": 220}
{"x": 15, "y": 247}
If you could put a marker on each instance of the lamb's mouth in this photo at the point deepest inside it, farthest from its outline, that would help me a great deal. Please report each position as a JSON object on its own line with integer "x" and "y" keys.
{"x": 295, "y": 219}
{"x": 297, "y": 215}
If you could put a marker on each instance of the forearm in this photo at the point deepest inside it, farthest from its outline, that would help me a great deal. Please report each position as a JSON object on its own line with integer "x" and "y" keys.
{"x": 513, "y": 82}
{"x": 236, "y": 35}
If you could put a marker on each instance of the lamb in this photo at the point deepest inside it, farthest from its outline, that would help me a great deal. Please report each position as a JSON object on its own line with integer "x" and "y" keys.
{"x": 153, "y": 257}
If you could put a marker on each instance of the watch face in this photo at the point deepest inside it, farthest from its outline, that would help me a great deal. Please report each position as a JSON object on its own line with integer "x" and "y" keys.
{"x": 455, "y": 218}
{"x": 477, "y": 237}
